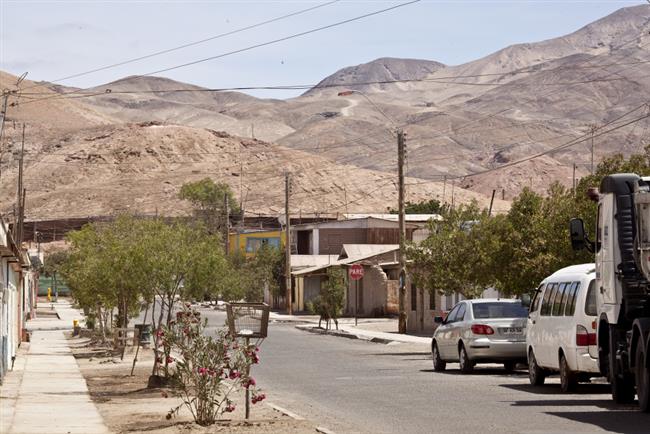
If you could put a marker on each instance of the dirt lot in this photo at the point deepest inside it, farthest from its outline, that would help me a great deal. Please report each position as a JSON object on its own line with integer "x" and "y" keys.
{"x": 128, "y": 406}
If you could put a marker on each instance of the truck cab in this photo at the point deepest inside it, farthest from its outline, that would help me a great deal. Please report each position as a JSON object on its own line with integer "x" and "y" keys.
{"x": 622, "y": 254}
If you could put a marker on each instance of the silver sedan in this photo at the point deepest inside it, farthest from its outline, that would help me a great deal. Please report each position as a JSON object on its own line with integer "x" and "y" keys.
{"x": 481, "y": 331}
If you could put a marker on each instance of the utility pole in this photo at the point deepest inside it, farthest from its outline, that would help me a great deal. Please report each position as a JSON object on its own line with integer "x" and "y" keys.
{"x": 491, "y": 203}
{"x": 402, "y": 231}
{"x": 5, "y": 95}
{"x": 593, "y": 130}
{"x": 287, "y": 243}
{"x": 19, "y": 193}
{"x": 574, "y": 179}
{"x": 226, "y": 207}
{"x": 444, "y": 187}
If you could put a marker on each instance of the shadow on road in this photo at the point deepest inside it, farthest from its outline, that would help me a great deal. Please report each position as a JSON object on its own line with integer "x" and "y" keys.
{"x": 481, "y": 371}
{"x": 554, "y": 389}
{"x": 625, "y": 421}
{"x": 422, "y": 353}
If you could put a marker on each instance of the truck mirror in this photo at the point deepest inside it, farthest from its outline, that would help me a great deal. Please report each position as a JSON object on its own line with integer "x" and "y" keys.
{"x": 577, "y": 231}
{"x": 525, "y": 300}
{"x": 438, "y": 319}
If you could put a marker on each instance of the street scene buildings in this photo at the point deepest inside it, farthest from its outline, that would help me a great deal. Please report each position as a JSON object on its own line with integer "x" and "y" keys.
{"x": 324, "y": 217}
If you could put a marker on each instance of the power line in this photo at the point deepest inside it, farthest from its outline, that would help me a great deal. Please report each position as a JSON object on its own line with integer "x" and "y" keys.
{"x": 187, "y": 45}
{"x": 271, "y": 42}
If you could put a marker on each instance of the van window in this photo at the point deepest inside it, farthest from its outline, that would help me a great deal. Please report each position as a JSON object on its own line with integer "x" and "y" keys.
{"x": 565, "y": 298}
{"x": 548, "y": 296}
{"x": 590, "y": 304}
{"x": 451, "y": 316}
{"x": 557, "y": 301}
{"x": 571, "y": 300}
{"x": 534, "y": 304}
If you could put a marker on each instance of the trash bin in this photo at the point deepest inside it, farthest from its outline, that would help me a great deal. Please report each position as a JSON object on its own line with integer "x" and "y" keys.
{"x": 144, "y": 332}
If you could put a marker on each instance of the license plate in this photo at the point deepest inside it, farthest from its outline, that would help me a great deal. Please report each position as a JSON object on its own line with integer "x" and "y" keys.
{"x": 512, "y": 330}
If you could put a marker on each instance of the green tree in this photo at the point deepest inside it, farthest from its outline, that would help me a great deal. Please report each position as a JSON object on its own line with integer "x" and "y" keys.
{"x": 207, "y": 198}
{"x": 431, "y": 206}
{"x": 329, "y": 303}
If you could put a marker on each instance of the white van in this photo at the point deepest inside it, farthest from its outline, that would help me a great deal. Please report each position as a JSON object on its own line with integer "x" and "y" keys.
{"x": 561, "y": 330}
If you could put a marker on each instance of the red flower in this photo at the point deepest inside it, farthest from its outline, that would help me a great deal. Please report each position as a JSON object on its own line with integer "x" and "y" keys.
{"x": 170, "y": 359}
{"x": 234, "y": 374}
{"x": 202, "y": 371}
{"x": 230, "y": 408}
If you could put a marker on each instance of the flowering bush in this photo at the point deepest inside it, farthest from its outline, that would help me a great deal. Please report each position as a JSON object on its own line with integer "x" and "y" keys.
{"x": 206, "y": 370}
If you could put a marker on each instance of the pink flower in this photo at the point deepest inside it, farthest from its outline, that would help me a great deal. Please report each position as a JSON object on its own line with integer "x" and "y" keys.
{"x": 230, "y": 408}
{"x": 258, "y": 398}
{"x": 202, "y": 371}
{"x": 234, "y": 374}
{"x": 256, "y": 359}
{"x": 160, "y": 333}
{"x": 170, "y": 359}
{"x": 250, "y": 382}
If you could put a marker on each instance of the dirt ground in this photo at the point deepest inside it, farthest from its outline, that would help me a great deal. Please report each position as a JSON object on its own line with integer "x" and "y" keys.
{"x": 128, "y": 406}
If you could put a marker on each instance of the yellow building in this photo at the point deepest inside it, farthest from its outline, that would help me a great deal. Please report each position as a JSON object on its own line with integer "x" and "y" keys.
{"x": 250, "y": 241}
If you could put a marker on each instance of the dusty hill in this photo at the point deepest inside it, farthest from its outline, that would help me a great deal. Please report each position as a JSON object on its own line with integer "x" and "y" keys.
{"x": 379, "y": 70}
{"x": 140, "y": 168}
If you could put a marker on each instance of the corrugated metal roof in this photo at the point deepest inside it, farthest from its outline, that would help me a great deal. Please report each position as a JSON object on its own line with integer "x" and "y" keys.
{"x": 420, "y": 218}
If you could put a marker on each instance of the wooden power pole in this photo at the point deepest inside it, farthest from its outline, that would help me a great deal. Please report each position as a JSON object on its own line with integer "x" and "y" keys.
{"x": 20, "y": 192}
{"x": 402, "y": 232}
{"x": 226, "y": 224}
{"x": 287, "y": 242}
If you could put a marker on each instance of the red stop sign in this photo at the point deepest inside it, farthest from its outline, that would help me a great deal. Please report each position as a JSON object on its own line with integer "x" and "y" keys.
{"x": 356, "y": 272}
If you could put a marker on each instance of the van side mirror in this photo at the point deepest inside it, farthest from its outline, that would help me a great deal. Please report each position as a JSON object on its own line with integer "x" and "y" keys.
{"x": 438, "y": 319}
{"x": 579, "y": 238}
{"x": 525, "y": 300}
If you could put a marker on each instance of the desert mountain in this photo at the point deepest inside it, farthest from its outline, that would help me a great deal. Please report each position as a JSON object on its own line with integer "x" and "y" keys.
{"x": 379, "y": 70}
{"x": 467, "y": 126}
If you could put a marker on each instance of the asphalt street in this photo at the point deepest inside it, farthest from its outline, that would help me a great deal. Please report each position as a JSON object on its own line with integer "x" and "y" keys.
{"x": 357, "y": 386}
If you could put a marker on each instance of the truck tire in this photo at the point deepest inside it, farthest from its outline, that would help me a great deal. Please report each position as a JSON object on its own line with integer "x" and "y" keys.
{"x": 622, "y": 385}
{"x": 642, "y": 377}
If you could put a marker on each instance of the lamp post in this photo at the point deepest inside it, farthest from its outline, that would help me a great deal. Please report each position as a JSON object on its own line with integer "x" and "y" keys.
{"x": 401, "y": 151}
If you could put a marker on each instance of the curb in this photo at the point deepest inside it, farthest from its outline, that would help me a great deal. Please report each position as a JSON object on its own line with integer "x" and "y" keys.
{"x": 338, "y": 333}
{"x": 323, "y": 430}
{"x": 284, "y": 411}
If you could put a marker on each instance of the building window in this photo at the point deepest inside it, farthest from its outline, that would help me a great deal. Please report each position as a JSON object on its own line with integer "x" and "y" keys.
{"x": 414, "y": 297}
{"x": 254, "y": 244}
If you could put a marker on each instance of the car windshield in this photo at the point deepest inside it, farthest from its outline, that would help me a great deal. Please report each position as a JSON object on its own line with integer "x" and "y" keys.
{"x": 499, "y": 310}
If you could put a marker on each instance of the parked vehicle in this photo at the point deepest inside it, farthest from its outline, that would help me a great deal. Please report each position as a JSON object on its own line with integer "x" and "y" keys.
{"x": 561, "y": 330}
{"x": 622, "y": 250}
{"x": 481, "y": 331}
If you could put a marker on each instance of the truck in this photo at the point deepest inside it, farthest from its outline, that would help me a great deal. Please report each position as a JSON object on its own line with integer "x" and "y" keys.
{"x": 622, "y": 255}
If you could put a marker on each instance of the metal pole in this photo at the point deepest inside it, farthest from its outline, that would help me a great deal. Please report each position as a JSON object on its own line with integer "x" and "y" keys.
{"x": 248, "y": 397}
{"x": 593, "y": 129}
{"x": 402, "y": 232}
{"x": 574, "y": 179}
{"x": 287, "y": 246}
{"x": 356, "y": 301}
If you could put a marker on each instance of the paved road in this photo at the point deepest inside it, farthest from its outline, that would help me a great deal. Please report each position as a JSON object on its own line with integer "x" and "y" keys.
{"x": 356, "y": 386}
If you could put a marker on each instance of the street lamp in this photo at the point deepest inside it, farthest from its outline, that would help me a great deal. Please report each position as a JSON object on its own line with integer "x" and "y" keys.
{"x": 401, "y": 150}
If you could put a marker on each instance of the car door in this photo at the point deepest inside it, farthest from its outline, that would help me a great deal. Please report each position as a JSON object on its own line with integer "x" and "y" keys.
{"x": 457, "y": 328}
{"x": 443, "y": 334}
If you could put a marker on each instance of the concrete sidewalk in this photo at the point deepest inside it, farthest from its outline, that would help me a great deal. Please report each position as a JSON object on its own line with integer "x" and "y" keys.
{"x": 381, "y": 330}
{"x": 45, "y": 392}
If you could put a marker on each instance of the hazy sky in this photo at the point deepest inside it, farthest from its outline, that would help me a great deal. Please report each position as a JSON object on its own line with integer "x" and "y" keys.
{"x": 53, "y": 39}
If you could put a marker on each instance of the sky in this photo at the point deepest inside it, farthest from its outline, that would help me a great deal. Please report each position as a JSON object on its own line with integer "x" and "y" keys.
{"x": 54, "y": 39}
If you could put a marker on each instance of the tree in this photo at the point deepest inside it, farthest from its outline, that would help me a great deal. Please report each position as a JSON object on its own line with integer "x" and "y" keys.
{"x": 53, "y": 265}
{"x": 329, "y": 303}
{"x": 431, "y": 206}
{"x": 207, "y": 198}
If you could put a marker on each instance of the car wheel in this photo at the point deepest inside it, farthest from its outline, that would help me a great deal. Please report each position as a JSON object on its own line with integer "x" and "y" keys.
{"x": 536, "y": 374}
{"x": 642, "y": 378}
{"x": 439, "y": 365}
{"x": 509, "y": 366}
{"x": 568, "y": 380}
{"x": 466, "y": 365}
